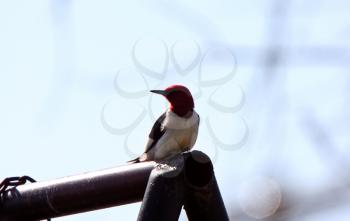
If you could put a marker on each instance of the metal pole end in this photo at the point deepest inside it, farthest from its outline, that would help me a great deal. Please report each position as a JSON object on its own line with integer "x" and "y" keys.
{"x": 198, "y": 169}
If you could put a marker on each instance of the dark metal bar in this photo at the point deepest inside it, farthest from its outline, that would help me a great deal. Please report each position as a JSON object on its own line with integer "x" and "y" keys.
{"x": 163, "y": 198}
{"x": 203, "y": 200}
{"x": 187, "y": 179}
{"x": 75, "y": 194}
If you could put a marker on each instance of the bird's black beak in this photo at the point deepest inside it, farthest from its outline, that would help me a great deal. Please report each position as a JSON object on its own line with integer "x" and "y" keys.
{"x": 164, "y": 93}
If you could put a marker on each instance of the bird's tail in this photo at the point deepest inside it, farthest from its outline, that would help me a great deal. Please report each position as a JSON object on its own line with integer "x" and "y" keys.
{"x": 136, "y": 160}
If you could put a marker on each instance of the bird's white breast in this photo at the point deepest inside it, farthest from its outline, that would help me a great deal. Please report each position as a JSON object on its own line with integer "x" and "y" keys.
{"x": 173, "y": 121}
{"x": 180, "y": 135}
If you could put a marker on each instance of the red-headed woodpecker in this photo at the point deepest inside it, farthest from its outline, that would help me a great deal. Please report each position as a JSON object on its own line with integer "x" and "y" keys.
{"x": 176, "y": 130}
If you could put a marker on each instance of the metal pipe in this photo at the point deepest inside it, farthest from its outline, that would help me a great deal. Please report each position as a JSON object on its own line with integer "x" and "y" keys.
{"x": 186, "y": 179}
{"x": 203, "y": 200}
{"x": 164, "y": 195}
{"x": 75, "y": 194}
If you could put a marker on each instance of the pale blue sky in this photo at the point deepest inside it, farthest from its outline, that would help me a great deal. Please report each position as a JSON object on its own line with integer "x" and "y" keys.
{"x": 59, "y": 60}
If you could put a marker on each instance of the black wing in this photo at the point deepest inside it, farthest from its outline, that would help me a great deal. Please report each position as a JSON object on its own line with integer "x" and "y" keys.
{"x": 156, "y": 132}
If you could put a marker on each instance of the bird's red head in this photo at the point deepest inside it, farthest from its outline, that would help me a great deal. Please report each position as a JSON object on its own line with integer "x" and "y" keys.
{"x": 179, "y": 97}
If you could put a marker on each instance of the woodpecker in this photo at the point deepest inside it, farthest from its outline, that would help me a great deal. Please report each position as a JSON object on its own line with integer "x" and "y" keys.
{"x": 176, "y": 130}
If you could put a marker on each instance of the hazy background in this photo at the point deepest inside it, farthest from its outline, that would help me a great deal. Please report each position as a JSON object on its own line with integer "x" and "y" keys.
{"x": 61, "y": 101}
